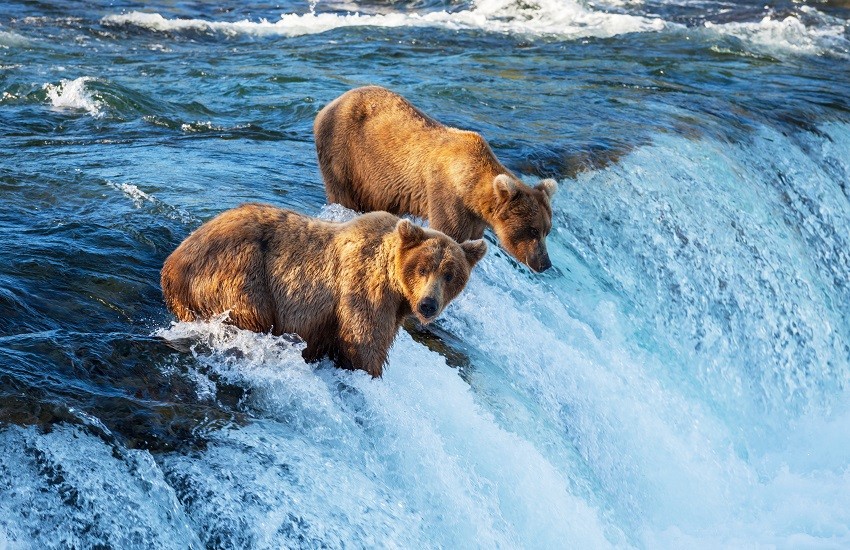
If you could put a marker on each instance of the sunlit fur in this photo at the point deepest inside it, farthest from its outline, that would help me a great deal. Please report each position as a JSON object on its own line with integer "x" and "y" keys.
{"x": 343, "y": 287}
{"x": 526, "y": 219}
{"x": 378, "y": 152}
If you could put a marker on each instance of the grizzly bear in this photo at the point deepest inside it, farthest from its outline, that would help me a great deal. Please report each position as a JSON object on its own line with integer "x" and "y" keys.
{"x": 378, "y": 152}
{"x": 343, "y": 287}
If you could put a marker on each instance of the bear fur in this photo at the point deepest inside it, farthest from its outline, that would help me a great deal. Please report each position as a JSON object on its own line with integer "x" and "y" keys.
{"x": 378, "y": 152}
{"x": 343, "y": 287}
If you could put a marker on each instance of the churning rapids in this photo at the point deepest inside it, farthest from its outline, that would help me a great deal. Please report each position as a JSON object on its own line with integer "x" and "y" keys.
{"x": 679, "y": 379}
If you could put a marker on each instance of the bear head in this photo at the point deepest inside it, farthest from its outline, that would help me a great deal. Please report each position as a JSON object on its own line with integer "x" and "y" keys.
{"x": 433, "y": 268}
{"x": 523, "y": 219}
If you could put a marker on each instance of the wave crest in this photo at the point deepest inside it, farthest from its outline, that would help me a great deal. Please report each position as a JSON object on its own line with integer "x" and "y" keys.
{"x": 790, "y": 35}
{"x": 73, "y": 94}
{"x": 563, "y": 18}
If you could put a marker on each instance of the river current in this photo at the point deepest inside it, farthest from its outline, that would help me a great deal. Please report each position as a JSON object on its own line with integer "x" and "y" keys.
{"x": 679, "y": 379}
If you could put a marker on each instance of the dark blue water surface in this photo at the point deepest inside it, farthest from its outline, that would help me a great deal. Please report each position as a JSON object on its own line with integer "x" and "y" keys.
{"x": 678, "y": 380}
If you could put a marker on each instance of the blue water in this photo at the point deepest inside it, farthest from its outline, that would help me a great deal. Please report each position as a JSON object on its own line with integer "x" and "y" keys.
{"x": 679, "y": 379}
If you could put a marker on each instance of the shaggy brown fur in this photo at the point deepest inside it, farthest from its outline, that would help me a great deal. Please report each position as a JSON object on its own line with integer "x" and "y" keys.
{"x": 378, "y": 152}
{"x": 343, "y": 287}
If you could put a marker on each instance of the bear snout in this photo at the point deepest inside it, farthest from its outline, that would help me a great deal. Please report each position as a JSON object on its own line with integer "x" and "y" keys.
{"x": 427, "y": 307}
{"x": 540, "y": 262}
{"x": 543, "y": 264}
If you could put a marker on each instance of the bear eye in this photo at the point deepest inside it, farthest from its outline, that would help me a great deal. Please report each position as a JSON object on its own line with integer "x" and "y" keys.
{"x": 534, "y": 232}
{"x": 423, "y": 271}
{"x": 448, "y": 277}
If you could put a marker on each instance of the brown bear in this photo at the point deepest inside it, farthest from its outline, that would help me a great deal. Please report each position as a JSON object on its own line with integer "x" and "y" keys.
{"x": 343, "y": 287}
{"x": 378, "y": 152}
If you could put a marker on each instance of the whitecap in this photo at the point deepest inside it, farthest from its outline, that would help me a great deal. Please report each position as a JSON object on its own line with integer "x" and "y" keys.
{"x": 790, "y": 35}
{"x": 139, "y": 197}
{"x": 10, "y": 39}
{"x": 201, "y": 126}
{"x": 336, "y": 213}
{"x": 564, "y": 18}
{"x": 73, "y": 94}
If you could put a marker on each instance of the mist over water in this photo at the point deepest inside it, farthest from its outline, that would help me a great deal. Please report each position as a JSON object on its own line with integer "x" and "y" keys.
{"x": 679, "y": 379}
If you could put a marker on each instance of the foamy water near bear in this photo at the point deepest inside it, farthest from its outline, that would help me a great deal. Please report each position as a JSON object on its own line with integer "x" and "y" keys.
{"x": 378, "y": 152}
{"x": 343, "y": 287}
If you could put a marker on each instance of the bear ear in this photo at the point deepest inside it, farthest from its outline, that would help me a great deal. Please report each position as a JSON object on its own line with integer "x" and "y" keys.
{"x": 410, "y": 233}
{"x": 548, "y": 186}
{"x": 474, "y": 250}
{"x": 504, "y": 186}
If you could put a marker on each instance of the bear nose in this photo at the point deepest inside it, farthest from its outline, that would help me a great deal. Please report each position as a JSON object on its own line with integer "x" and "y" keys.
{"x": 427, "y": 307}
{"x": 545, "y": 264}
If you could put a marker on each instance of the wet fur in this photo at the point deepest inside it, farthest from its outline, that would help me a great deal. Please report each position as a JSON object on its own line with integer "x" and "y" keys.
{"x": 376, "y": 151}
{"x": 343, "y": 287}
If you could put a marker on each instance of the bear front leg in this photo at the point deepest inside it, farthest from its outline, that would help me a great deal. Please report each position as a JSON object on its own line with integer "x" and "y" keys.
{"x": 365, "y": 357}
{"x": 456, "y": 220}
{"x": 444, "y": 218}
{"x": 365, "y": 339}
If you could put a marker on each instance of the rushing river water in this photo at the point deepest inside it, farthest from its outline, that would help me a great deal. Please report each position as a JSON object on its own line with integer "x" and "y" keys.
{"x": 679, "y": 379}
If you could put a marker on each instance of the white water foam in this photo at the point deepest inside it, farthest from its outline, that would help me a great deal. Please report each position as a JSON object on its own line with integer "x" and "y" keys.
{"x": 73, "y": 94}
{"x": 69, "y": 489}
{"x": 10, "y": 39}
{"x": 141, "y": 199}
{"x": 202, "y": 126}
{"x": 790, "y": 35}
{"x": 336, "y": 213}
{"x": 812, "y": 33}
{"x": 732, "y": 253}
{"x": 413, "y": 454}
{"x": 564, "y": 18}
{"x": 755, "y": 293}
